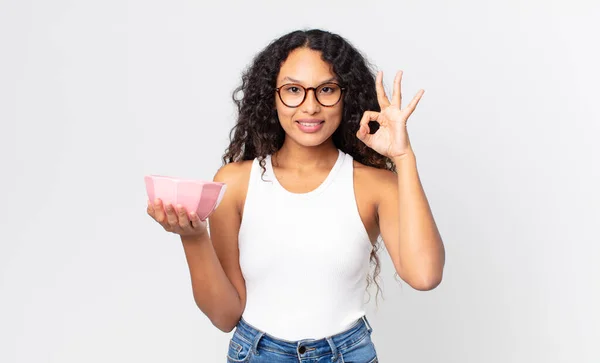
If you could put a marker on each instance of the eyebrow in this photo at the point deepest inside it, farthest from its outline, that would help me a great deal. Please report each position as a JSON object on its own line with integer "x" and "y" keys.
{"x": 297, "y": 81}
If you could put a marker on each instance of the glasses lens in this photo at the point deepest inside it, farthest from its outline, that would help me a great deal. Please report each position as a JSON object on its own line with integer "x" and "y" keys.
{"x": 328, "y": 94}
{"x": 292, "y": 94}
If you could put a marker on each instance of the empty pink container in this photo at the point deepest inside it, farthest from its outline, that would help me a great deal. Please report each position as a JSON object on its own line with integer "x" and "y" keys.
{"x": 200, "y": 196}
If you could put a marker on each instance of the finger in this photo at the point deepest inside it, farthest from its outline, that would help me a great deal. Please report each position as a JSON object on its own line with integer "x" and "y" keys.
{"x": 363, "y": 130}
{"x": 367, "y": 117}
{"x": 381, "y": 96}
{"x": 184, "y": 222}
{"x": 171, "y": 216}
{"x": 397, "y": 95}
{"x": 195, "y": 220}
{"x": 150, "y": 209}
{"x": 159, "y": 211}
{"x": 413, "y": 104}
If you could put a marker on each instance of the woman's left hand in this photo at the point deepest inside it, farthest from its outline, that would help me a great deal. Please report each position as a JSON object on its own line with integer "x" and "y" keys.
{"x": 391, "y": 139}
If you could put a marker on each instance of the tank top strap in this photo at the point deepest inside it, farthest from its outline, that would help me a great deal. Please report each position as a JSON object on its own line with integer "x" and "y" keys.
{"x": 343, "y": 183}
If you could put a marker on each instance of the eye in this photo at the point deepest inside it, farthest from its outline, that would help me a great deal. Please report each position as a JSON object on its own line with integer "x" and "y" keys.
{"x": 292, "y": 89}
{"x": 328, "y": 89}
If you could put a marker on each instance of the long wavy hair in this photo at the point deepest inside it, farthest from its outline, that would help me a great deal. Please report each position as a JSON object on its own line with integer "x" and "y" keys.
{"x": 258, "y": 133}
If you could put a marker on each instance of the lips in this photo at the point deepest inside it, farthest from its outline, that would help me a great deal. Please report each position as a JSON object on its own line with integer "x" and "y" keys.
{"x": 310, "y": 121}
{"x": 310, "y": 125}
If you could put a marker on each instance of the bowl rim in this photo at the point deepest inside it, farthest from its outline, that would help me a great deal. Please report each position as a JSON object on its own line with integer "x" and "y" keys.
{"x": 178, "y": 179}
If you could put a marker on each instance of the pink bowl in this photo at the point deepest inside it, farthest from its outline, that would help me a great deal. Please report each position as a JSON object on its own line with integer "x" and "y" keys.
{"x": 200, "y": 196}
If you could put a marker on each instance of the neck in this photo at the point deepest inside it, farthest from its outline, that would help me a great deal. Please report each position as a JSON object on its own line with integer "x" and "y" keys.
{"x": 295, "y": 156}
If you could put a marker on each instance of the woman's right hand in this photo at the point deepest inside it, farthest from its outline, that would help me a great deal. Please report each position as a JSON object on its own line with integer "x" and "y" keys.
{"x": 176, "y": 220}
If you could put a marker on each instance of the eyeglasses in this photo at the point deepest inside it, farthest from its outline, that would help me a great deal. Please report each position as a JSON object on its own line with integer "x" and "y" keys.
{"x": 293, "y": 95}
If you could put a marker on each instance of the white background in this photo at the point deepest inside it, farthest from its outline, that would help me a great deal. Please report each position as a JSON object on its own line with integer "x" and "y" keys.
{"x": 96, "y": 94}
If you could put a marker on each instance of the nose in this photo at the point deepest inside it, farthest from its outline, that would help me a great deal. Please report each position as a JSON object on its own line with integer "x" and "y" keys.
{"x": 311, "y": 105}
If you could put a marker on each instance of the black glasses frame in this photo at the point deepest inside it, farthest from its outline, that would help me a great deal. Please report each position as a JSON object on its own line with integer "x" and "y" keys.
{"x": 306, "y": 89}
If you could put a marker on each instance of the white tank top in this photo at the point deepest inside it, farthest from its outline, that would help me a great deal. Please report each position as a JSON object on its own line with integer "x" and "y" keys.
{"x": 304, "y": 257}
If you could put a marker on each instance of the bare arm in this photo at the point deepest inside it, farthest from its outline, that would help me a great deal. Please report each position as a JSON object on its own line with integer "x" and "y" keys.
{"x": 218, "y": 287}
{"x": 408, "y": 228}
{"x": 217, "y": 282}
{"x": 213, "y": 292}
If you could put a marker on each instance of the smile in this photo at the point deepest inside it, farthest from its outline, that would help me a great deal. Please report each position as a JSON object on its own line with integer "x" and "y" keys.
{"x": 310, "y": 126}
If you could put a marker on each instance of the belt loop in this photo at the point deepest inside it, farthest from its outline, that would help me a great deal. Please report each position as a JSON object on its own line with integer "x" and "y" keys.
{"x": 255, "y": 343}
{"x": 334, "y": 352}
{"x": 364, "y": 318}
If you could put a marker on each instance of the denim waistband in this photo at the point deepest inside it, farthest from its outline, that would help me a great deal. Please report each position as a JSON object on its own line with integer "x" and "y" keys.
{"x": 340, "y": 341}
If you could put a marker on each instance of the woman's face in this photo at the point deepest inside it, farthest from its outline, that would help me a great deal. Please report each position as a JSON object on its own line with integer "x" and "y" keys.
{"x": 311, "y": 123}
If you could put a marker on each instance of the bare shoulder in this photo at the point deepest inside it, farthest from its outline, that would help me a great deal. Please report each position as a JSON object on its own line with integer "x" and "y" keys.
{"x": 371, "y": 187}
{"x": 236, "y": 176}
{"x": 233, "y": 172}
{"x": 378, "y": 181}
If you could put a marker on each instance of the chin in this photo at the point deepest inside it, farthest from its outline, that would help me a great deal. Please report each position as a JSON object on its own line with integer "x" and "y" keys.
{"x": 310, "y": 140}
{"x": 311, "y": 143}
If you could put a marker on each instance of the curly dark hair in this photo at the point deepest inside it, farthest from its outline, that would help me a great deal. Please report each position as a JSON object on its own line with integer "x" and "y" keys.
{"x": 258, "y": 132}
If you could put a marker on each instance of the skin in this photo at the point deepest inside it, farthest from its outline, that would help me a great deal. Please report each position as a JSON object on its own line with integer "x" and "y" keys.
{"x": 393, "y": 205}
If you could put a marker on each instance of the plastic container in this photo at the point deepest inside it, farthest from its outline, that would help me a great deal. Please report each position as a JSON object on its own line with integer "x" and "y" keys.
{"x": 200, "y": 196}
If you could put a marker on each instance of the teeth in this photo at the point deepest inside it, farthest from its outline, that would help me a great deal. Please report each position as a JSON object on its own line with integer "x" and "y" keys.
{"x": 311, "y": 124}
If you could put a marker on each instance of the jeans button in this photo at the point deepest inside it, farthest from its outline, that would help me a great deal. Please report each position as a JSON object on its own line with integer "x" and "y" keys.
{"x": 302, "y": 350}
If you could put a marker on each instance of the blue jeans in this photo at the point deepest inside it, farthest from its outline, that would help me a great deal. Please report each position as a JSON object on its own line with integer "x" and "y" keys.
{"x": 250, "y": 345}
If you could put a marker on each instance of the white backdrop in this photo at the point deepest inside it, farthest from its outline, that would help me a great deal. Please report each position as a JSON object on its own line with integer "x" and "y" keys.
{"x": 95, "y": 94}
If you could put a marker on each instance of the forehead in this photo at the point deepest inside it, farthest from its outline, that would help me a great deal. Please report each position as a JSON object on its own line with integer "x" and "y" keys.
{"x": 306, "y": 66}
